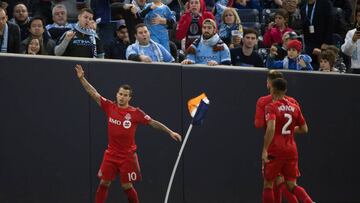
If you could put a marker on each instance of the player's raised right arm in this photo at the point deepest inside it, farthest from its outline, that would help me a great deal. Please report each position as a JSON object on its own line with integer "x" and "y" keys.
{"x": 87, "y": 86}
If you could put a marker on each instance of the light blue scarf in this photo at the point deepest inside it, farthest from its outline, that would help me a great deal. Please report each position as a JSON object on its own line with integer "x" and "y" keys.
{"x": 211, "y": 41}
{"x": 155, "y": 47}
{"x": 5, "y": 39}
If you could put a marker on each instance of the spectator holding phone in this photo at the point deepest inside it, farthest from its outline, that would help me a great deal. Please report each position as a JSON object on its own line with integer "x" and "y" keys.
{"x": 351, "y": 47}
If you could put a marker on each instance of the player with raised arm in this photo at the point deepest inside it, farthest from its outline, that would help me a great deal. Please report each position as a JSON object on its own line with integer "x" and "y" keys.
{"x": 120, "y": 157}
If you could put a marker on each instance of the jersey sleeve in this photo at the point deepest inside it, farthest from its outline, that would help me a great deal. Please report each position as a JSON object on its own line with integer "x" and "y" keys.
{"x": 259, "y": 115}
{"x": 270, "y": 113}
{"x": 105, "y": 104}
{"x": 301, "y": 120}
{"x": 142, "y": 117}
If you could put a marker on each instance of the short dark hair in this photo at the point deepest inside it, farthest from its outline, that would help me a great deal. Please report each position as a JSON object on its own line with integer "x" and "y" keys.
{"x": 127, "y": 87}
{"x": 251, "y": 31}
{"x": 37, "y": 18}
{"x": 273, "y": 74}
{"x": 138, "y": 26}
{"x": 86, "y": 10}
{"x": 279, "y": 85}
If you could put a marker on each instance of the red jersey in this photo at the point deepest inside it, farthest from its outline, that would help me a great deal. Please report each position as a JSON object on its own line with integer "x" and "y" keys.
{"x": 260, "y": 109}
{"x": 287, "y": 115}
{"x": 122, "y": 124}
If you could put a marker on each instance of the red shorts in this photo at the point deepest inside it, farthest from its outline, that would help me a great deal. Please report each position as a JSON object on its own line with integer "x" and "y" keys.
{"x": 128, "y": 168}
{"x": 286, "y": 167}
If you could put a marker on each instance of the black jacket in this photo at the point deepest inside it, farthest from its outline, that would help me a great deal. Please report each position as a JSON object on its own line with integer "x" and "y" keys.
{"x": 13, "y": 43}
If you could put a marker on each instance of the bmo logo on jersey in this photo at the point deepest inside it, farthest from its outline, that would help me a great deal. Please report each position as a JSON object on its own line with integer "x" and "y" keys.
{"x": 114, "y": 121}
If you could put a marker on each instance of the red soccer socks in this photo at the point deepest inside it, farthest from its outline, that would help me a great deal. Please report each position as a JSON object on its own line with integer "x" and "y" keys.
{"x": 277, "y": 193}
{"x": 132, "y": 195}
{"x": 268, "y": 196}
{"x": 301, "y": 194}
{"x": 290, "y": 197}
{"x": 101, "y": 194}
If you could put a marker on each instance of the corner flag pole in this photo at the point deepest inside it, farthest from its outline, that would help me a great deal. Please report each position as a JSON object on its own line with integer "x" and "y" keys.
{"x": 177, "y": 162}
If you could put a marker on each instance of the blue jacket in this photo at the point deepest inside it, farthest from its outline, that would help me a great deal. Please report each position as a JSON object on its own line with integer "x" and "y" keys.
{"x": 291, "y": 64}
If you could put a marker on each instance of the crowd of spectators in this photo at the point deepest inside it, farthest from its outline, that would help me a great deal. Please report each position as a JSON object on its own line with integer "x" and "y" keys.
{"x": 302, "y": 35}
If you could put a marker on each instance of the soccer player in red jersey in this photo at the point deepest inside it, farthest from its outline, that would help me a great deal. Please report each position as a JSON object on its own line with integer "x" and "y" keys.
{"x": 120, "y": 156}
{"x": 283, "y": 119}
{"x": 265, "y": 100}
{"x": 279, "y": 186}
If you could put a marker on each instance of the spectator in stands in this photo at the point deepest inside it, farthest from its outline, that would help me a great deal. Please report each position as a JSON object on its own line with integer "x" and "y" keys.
{"x": 345, "y": 5}
{"x": 73, "y": 7}
{"x": 130, "y": 13}
{"x": 22, "y": 19}
{"x": 209, "y": 49}
{"x": 280, "y": 51}
{"x": 327, "y": 60}
{"x": 82, "y": 41}
{"x": 246, "y": 55}
{"x": 3, "y": 5}
{"x": 247, "y": 4}
{"x": 158, "y": 19}
{"x": 9, "y": 35}
{"x": 276, "y": 30}
{"x": 60, "y": 25}
{"x": 318, "y": 25}
{"x": 351, "y": 47}
{"x": 357, "y": 18}
{"x": 117, "y": 48}
{"x": 189, "y": 26}
{"x": 293, "y": 61}
{"x": 145, "y": 49}
{"x": 37, "y": 30}
{"x": 294, "y": 22}
{"x": 230, "y": 28}
{"x": 35, "y": 47}
{"x": 219, "y": 8}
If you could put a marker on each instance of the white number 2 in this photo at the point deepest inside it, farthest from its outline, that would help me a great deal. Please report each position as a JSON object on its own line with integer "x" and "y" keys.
{"x": 132, "y": 176}
{"x": 284, "y": 130}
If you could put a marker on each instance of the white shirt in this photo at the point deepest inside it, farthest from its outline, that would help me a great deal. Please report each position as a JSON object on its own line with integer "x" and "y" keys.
{"x": 352, "y": 49}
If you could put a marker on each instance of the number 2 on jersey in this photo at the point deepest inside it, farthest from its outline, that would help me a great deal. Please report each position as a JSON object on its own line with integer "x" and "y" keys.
{"x": 284, "y": 130}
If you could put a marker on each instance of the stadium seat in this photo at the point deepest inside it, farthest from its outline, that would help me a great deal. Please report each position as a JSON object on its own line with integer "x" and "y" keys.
{"x": 248, "y": 15}
{"x": 255, "y": 25}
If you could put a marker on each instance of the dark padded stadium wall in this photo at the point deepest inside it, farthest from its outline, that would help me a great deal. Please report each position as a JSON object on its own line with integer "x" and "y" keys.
{"x": 52, "y": 136}
{"x": 222, "y": 159}
{"x": 156, "y": 92}
{"x": 44, "y": 133}
{"x": 331, "y": 105}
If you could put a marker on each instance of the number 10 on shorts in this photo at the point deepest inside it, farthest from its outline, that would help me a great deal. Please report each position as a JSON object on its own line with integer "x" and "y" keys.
{"x": 132, "y": 176}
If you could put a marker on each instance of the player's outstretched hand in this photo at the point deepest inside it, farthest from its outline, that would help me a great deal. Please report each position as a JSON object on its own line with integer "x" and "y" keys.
{"x": 79, "y": 71}
{"x": 175, "y": 136}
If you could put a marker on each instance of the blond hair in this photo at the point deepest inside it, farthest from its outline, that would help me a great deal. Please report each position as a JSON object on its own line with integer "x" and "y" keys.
{"x": 234, "y": 12}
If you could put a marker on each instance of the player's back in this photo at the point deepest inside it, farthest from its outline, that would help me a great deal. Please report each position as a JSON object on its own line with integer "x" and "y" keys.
{"x": 260, "y": 109}
{"x": 287, "y": 116}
